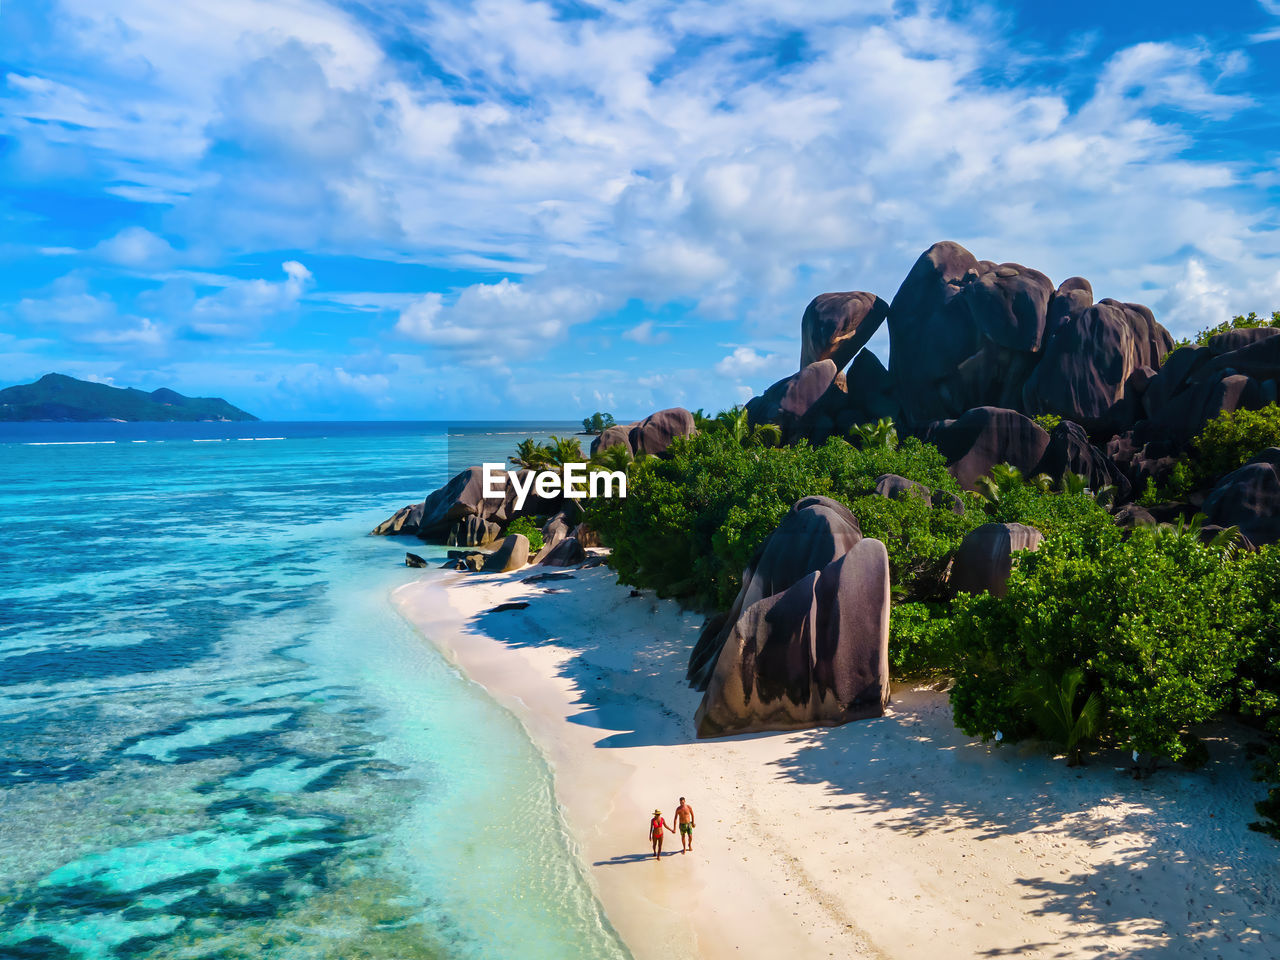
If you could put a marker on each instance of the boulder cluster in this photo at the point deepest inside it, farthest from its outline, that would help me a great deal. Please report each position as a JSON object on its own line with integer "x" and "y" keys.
{"x": 977, "y": 349}
{"x": 459, "y": 515}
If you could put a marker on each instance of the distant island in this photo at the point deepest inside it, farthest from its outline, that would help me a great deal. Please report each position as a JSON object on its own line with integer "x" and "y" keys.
{"x": 56, "y": 396}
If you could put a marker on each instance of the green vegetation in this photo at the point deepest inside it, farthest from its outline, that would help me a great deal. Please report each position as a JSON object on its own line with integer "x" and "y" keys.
{"x": 1105, "y": 637}
{"x": 1150, "y": 619}
{"x": 598, "y": 422}
{"x": 1047, "y": 421}
{"x": 58, "y": 397}
{"x": 531, "y": 455}
{"x": 692, "y": 519}
{"x": 1231, "y": 439}
{"x": 530, "y": 528}
{"x": 1235, "y": 323}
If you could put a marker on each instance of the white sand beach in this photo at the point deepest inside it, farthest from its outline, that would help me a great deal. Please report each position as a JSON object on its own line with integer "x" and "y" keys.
{"x": 897, "y": 837}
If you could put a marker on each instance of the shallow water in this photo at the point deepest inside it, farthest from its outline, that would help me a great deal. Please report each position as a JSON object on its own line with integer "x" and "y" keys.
{"x": 218, "y": 739}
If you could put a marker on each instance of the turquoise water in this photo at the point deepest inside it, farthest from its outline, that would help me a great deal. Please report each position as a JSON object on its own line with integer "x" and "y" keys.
{"x": 218, "y": 739}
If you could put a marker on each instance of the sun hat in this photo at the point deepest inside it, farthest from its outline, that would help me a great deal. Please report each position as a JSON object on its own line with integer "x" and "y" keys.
{"x": 657, "y": 813}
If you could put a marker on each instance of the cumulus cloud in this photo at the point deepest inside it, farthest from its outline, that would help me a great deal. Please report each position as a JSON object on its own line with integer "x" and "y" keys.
{"x": 735, "y": 159}
{"x": 135, "y": 247}
{"x": 242, "y": 305}
{"x": 644, "y": 333}
{"x": 502, "y": 318}
{"x": 88, "y": 319}
{"x": 744, "y": 362}
{"x": 67, "y": 301}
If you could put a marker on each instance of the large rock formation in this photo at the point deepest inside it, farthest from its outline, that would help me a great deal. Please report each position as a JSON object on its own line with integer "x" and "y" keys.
{"x": 986, "y": 436}
{"x": 835, "y": 326}
{"x": 816, "y": 654}
{"x": 566, "y": 553}
{"x": 472, "y": 531}
{"x": 447, "y": 509}
{"x": 816, "y": 531}
{"x": 1089, "y": 358}
{"x": 512, "y": 554}
{"x": 404, "y": 522}
{"x": 985, "y": 557}
{"x": 966, "y": 333}
{"x": 806, "y": 405}
{"x": 1069, "y": 451}
{"x": 652, "y": 435}
{"x": 1249, "y": 498}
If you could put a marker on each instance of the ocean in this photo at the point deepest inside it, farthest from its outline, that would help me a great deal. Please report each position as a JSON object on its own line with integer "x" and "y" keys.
{"x": 217, "y": 737}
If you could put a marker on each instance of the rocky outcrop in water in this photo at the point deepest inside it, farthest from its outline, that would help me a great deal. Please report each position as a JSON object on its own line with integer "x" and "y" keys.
{"x": 460, "y": 513}
{"x": 815, "y": 654}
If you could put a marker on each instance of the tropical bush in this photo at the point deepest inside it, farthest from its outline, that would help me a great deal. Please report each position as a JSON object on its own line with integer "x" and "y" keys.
{"x": 920, "y": 639}
{"x": 530, "y": 528}
{"x": 1150, "y": 619}
{"x": 693, "y": 518}
{"x": 1258, "y": 676}
{"x": 1231, "y": 439}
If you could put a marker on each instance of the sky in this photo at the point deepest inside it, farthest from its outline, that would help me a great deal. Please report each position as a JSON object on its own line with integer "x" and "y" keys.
{"x": 510, "y": 209}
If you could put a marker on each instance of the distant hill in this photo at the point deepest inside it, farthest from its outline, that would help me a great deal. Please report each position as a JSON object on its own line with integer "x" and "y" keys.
{"x": 58, "y": 397}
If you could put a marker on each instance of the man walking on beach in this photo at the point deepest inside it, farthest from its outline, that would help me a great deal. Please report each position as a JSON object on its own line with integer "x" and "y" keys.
{"x": 685, "y": 822}
{"x": 656, "y": 826}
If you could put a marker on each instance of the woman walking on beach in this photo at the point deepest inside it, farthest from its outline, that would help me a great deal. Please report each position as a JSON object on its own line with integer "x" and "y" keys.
{"x": 656, "y": 826}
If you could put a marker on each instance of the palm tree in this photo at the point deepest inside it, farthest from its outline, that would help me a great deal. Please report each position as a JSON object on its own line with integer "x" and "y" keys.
{"x": 564, "y": 450}
{"x": 1228, "y": 542}
{"x": 531, "y": 455}
{"x": 1074, "y": 483}
{"x": 1051, "y": 703}
{"x": 988, "y": 490}
{"x": 1042, "y": 482}
{"x": 765, "y": 435}
{"x": 616, "y": 457}
{"x": 1006, "y": 475}
{"x": 882, "y": 433}
{"x": 735, "y": 422}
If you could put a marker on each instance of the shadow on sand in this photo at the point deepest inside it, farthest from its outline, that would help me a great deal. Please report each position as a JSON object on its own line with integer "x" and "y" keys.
{"x": 1184, "y": 876}
{"x": 1178, "y": 881}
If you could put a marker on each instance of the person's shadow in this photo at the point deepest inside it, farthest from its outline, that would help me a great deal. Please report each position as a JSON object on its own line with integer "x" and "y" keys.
{"x": 631, "y": 858}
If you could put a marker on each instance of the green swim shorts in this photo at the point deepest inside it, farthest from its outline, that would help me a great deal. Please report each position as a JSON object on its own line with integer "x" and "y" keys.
{"x": 686, "y": 828}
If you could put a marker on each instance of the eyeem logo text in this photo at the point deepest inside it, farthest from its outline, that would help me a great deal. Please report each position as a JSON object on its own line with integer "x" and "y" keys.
{"x": 573, "y": 482}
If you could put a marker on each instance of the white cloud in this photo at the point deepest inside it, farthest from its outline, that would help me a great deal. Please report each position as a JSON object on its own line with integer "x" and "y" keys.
{"x": 135, "y": 247}
{"x": 243, "y": 304}
{"x": 745, "y": 362}
{"x": 625, "y": 156}
{"x": 68, "y": 302}
{"x": 499, "y": 319}
{"x": 644, "y": 333}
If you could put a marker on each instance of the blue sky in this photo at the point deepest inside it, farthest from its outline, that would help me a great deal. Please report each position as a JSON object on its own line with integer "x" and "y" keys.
{"x": 507, "y": 208}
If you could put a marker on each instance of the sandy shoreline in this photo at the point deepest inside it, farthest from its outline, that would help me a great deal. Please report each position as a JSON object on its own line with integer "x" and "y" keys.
{"x": 898, "y": 837}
